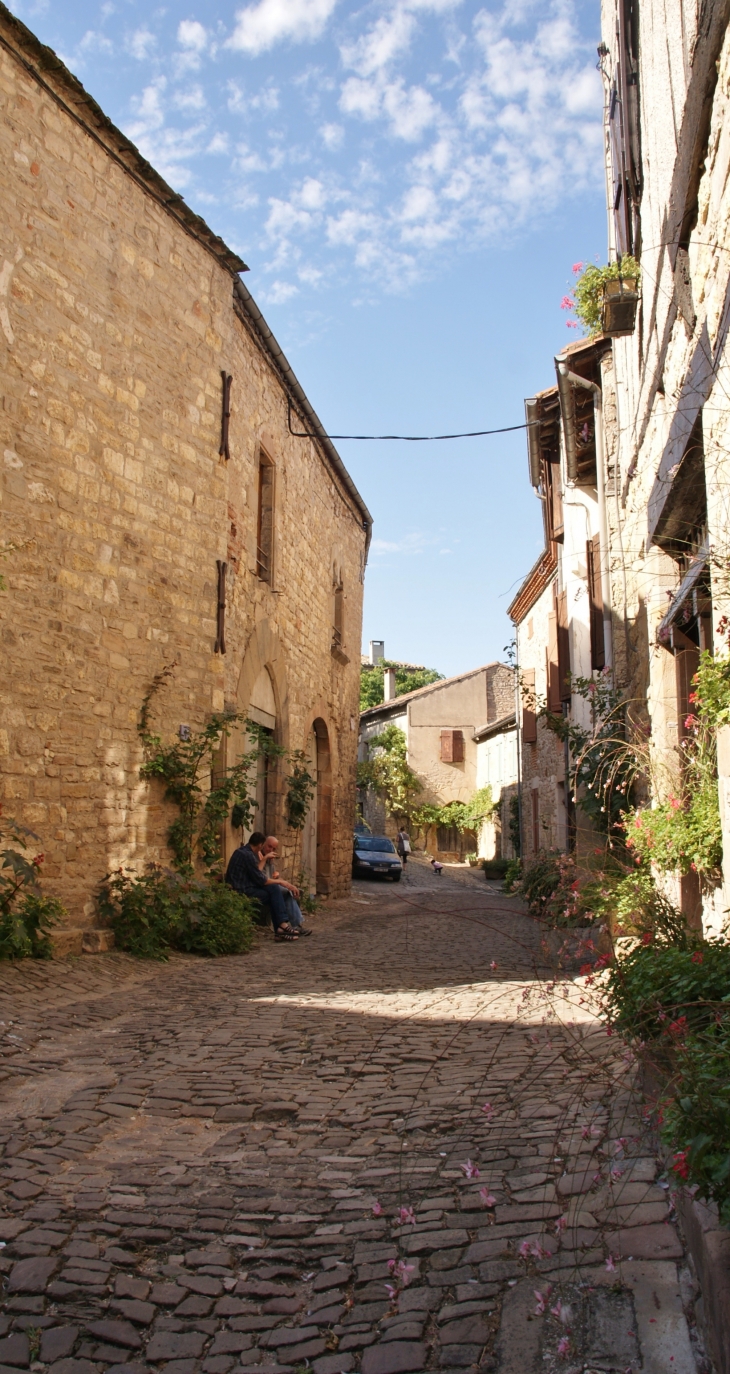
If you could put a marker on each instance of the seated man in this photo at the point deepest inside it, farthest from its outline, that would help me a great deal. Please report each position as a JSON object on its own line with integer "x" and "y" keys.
{"x": 244, "y": 875}
{"x": 269, "y": 855}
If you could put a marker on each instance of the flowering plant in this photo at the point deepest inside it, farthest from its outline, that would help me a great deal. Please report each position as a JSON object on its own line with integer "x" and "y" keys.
{"x": 587, "y": 298}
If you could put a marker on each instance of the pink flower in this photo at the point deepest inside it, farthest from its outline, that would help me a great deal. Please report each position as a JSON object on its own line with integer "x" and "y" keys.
{"x": 493, "y": 966}
{"x": 567, "y": 303}
{"x": 470, "y": 1170}
{"x": 377, "y": 1209}
{"x": 564, "y": 1347}
{"x": 571, "y": 324}
{"x": 488, "y": 1110}
{"x": 610, "y": 1265}
{"x": 391, "y": 1291}
{"x": 525, "y": 1251}
{"x": 404, "y": 1272}
{"x": 577, "y": 267}
{"x": 697, "y": 957}
{"x": 560, "y": 1225}
{"x": 675, "y": 805}
{"x": 406, "y": 1216}
{"x": 487, "y": 1198}
{"x": 542, "y": 1299}
{"x": 616, "y": 1174}
{"x": 391, "y": 1266}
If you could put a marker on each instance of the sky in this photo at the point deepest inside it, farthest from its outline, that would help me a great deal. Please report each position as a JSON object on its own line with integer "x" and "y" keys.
{"x": 410, "y": 183}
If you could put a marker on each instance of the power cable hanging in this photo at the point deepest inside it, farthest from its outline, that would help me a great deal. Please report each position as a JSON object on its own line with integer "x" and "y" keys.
{"x": 409, "y": 438}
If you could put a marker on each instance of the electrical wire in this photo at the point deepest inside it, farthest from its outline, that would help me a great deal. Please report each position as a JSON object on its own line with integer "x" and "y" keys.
{"x": 410, "y": 438}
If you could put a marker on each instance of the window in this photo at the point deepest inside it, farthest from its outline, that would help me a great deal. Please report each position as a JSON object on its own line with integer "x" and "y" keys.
{"x": 529, "y": 716}
{"x": 553, "y": 674}
{"x": 265, "y": 522}
{"x": 338, "y": 616}
{"x": 625, "y": 133}
{"x": 452, "y": 746}
{"x": 448, "y": 840}
{"x": 563, "y": 647}
{"x": 595, "y": 594}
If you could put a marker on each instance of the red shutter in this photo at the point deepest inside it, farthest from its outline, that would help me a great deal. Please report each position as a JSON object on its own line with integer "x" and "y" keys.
{"x": 452, "y": 746}
{"x": 529, "y": 715}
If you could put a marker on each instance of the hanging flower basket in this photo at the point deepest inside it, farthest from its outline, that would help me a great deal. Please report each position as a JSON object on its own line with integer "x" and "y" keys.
{"x": 618, "y": 313}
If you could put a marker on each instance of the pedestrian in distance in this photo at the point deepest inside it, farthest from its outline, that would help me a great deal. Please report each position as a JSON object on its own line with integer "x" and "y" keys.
{"x": 436, "y": 866}
{"x": 403, "y": 846}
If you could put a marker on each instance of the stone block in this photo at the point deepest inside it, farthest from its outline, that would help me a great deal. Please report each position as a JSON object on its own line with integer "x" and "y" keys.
{"x": 97, "y": 941}
{"x": 67, "y": 943}
{"x": 116, "y": 1333}
{"x": 396, "y": 1357}
{"x": 655, "y": 1242}
{"x": 32, "y": 1275}
{"x": 58, "y": 1342}
{"x": 175, "y": 1345}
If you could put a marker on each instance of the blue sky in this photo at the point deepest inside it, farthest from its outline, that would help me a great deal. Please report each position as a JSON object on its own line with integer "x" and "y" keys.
{"x": 409, "y": 182}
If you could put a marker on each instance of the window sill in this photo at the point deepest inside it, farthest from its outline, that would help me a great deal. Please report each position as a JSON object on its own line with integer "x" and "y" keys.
{"x": 338, "y": 653}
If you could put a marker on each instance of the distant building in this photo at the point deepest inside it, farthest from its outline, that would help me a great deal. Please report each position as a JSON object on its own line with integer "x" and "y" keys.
{"x": 440, "y": 723}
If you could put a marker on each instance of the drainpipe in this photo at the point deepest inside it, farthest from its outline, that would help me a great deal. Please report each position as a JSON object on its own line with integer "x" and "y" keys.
{"x": 566, "y": 380}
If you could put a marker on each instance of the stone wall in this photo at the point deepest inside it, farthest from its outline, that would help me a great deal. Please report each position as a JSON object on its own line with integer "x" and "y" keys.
{"x": 116, "y": 320}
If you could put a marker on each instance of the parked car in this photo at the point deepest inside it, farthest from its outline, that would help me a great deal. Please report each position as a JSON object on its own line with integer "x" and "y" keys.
{"x": 374, "y": 854}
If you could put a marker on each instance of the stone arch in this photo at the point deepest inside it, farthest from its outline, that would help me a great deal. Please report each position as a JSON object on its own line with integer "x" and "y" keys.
{"x": 262, "y": 693}
{"x": 324, "y": 805}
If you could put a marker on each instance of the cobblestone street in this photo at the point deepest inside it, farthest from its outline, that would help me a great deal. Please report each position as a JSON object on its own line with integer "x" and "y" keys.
{"x": 220, "y": 1165}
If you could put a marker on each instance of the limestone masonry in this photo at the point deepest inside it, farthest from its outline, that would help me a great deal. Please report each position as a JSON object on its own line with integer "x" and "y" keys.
{"x": 119, "y": 311}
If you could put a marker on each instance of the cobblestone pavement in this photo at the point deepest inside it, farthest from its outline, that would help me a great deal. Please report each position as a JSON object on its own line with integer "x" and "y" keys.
{"x": 222, "y": 1165}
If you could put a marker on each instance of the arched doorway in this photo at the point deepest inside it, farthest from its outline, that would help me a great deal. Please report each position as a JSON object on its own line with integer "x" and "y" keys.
{"x": 317, "y": 836}
{"x": 262, "y": 709}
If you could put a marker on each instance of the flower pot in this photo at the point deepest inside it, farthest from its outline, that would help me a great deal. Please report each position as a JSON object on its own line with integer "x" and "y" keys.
{"x": 620, "y": 300}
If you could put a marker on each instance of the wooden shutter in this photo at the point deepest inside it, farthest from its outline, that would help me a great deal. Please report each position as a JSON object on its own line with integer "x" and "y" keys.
{"x": 452, "y": 746}
{"x": 529, "y": 715}
{"x": 553, "y": 675}
{"x": 563, "y": 647}
{"x": 621, "y": 205}
{"x": 535, "y": 799}
{"x": 556, "y": 498}
{"x": 598, "y": 646}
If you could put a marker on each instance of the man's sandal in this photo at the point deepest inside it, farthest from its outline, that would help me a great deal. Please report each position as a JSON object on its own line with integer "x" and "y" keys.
{"x": 285, "y": 935}
{"x": 302, "y": 931}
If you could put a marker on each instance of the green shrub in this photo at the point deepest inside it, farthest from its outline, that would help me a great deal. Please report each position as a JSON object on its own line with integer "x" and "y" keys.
{"x": 156, "y": 911}
{"x": 512, "y": 875}
{"x": 631, "y": 904}
{"x": 213, "y": 920}
{"x": 550, "y": 888}
{"x": 658, "y": 987}
{"x": 496, "y": 868}
{"x": 680, "y": 835}
{"x": 695, "y": 1120}
{"x": 26, "y": 916}
{"x": 24, "y": 930}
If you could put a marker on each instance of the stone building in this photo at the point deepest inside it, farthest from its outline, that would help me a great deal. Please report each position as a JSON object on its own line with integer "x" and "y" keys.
{"x": 440, "y": 722}
{"x": 158, "y": 505}
{"x": 667, "y": 83}
{"x": 563, "y": 632}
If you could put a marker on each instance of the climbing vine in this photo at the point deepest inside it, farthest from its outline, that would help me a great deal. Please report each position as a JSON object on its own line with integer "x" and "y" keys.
{"x": 206, "y": 792}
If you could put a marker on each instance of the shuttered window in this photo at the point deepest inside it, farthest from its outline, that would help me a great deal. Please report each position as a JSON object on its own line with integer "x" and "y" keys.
{"x": 563, "y": 647}
{"x": 529, "y": 714}
{"x": 593, "y": 560}
{"x": 625, "y": 133}
{"x": 452, "y": 746}
{"x": 553, "y": 674}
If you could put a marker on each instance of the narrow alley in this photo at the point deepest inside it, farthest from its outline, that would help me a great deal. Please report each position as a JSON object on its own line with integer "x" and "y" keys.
{"x": 404, "y": 1144}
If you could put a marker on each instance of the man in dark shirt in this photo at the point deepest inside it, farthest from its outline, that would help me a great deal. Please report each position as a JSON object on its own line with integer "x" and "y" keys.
{"x": 244, "y": 875}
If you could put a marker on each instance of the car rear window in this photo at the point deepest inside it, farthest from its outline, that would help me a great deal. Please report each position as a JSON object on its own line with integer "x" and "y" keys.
{"x": 375, "y": 843}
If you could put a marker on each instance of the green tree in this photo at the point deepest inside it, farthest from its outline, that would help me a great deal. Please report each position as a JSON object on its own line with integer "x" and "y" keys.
{"x": 388, "y": 773}
{"x": 408, "y": 678}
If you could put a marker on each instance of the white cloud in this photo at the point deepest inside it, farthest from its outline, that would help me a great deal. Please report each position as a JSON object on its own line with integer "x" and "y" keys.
{"x": 264, "y": 101}
{"x": 263, "y": 25}
{"x": 333, "y": 136}
{"x": 141, "y": 44}
{"x": 279, "y": 292}
{"x": 218, "y": 144}
{"x": 192, "y": 35}
{"x": 192, "y": 99}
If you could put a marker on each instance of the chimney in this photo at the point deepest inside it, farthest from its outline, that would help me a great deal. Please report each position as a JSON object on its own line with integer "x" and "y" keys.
{"x": 389, "y": 684}
{"x": 377, "y": 650}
